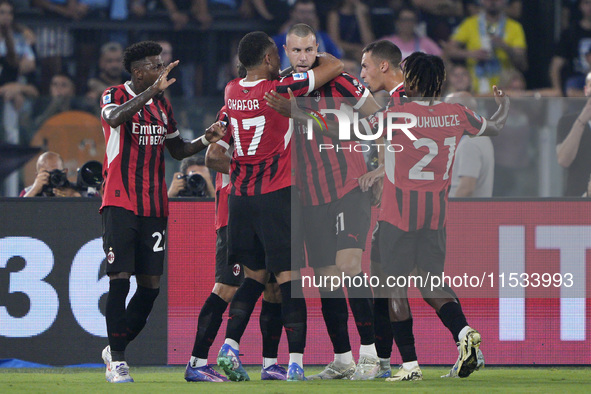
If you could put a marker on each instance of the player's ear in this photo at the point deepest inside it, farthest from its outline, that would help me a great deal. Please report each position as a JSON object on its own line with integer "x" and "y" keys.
{"x": 285, "y": 49}
{"x": 384, "y": 66}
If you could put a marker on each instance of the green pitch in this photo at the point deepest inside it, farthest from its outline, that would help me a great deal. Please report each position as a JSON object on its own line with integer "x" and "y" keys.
{"x": 170, "y": 380}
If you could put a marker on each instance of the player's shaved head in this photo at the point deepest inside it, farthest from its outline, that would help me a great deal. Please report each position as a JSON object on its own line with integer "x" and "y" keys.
{"x": 253, "y": 47}
{"x": 139, "y": 51}
{"x": 384, "y": 50}
{"x": 301, "y": 30}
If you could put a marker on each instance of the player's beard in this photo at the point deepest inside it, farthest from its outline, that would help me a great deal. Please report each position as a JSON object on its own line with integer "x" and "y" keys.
{"x": 159, "y": 95}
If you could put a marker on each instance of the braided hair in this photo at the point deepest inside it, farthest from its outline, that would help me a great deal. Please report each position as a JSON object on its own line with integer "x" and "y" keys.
{"x": 424, "y": 74}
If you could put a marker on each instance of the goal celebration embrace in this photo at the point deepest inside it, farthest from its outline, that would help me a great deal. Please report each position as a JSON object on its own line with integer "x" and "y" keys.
{"x": 279, "y": 199}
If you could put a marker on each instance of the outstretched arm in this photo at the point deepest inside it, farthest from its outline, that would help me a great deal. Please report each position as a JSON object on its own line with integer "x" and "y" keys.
{"x": 329, "y": 67}
{"x": 117, "y": 115}
{"x": 497, "y": 121}
{"x": 180, "y": 148}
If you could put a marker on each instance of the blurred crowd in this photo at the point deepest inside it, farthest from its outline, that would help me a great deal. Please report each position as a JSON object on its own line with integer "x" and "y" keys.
{"x": 60, "y": 55}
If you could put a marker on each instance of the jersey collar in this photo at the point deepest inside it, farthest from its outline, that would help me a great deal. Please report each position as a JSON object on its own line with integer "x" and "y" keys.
{"x": 131, "y": 92}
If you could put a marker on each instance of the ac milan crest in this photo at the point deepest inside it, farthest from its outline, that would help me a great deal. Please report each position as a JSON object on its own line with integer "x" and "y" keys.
{"x": 236, "y": 269}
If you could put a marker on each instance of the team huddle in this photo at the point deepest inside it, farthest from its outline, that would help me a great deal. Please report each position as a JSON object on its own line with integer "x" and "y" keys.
{"x": 279, "y": 200}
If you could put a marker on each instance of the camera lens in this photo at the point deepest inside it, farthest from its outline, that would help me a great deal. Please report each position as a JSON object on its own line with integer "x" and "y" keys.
{"x": 57, "y": 178}
{"x": 197, "y": 185}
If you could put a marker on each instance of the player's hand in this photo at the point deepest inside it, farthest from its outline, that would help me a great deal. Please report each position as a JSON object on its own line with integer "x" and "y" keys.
{"x": 367, "y": 180}
{"x": 163, "y": 82}
{"x": 65, "y": 192}
{"x": 376, "y": 192}
{"x": 324, "y": 57}
{"x": 500, "y": 96}
{"x": 178, "y": 183}
{"x": 278, "y": 103}
{"x": 215, "y": 132}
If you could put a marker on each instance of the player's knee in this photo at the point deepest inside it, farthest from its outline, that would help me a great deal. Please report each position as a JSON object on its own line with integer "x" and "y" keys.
{"x": 119, "y": 275}
{"x": 260, "y": 276}
{"x": 224, "y": 291}
{"x": 348, "y": 261}
{"x": 149, "y": 281}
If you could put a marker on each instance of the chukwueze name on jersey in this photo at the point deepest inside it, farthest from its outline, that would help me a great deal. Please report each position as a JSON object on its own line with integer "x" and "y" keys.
{"x": 437, "y": 121}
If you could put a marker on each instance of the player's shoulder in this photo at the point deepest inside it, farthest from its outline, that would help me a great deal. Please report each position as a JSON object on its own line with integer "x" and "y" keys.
{"x": 346, "y": 78}
{"x": 112, "y": 94}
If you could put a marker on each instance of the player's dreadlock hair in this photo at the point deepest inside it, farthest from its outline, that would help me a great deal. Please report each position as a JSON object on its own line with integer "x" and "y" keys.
{"x": 252, "y": 48}
{"x": 140, "y": 51}
{"x": 385, "y": 50}
{"x": 424, "y": 74}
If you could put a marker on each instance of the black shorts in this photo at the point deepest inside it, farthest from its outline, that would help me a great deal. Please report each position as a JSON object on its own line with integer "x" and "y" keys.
{"x": 259, "y": 231}
{"x": 298, "y": 256}
{"x": 132, "y": 243}
{"x": 401, "y": 251}
{"x": 227, "y": 274}
{"x": 338, "y": 225}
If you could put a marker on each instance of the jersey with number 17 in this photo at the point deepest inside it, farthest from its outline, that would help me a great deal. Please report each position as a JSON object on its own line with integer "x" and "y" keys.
{"x": 261, "y": 162}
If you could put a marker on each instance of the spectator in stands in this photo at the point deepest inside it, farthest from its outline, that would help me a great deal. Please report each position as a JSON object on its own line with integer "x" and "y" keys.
{"x": 88, "y": 41}
{"x": 51, "y": 179}
{"x": 176, "y": 89}
{"x": 349, "y": 25}
{"x": 473, "y": 168}
{"x": 513, "y": 155}
{"x": 406, "y": 37}
{"x": 249, "y": 7}
{"x": 304, "y": 11}
{"x": 111, "y": 72}
{"x": 200, "y": 187}
{"x": 62, "y": 98}
{"x": 458, "y": 79}
{"x": 440, "y": 17}
{"x": 180, "y": 12}
{"x": 570, "y": 63}
{"x": 55, "y": 42}
{"x": 573, "y": 144}
{"x": 489, "y": 42}
{"x": 16, "y": 54}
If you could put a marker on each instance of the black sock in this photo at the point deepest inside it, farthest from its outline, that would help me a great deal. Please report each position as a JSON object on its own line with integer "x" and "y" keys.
{"x": 294, "y": 315}
{"x": 208, "y": 325}
{"x": 453, "y": 318}
{"x": 271, "y": 327}
{"x": 383, "y": 328}
{"x": 115, "y": 316}
{"x": 241, "y": 307}
{"x": 361, "y": 303}
{"x": 336, "y": 314}
{"x": 405, "y": 340}
{"x": 138, "y": 310}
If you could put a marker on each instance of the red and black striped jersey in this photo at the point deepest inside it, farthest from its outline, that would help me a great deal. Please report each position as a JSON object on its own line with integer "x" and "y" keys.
{"x": 418, "y": 173}
{"x": 222, "y": 181}
{"x": 261, "y": 162}
{"x": 327, "y": 168}
{"x": 134, "y": 158}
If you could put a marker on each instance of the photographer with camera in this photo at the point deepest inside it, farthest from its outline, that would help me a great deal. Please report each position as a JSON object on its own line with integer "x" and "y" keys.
{"x": 194, "y": 180}
{"x": 51, "y": 179}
